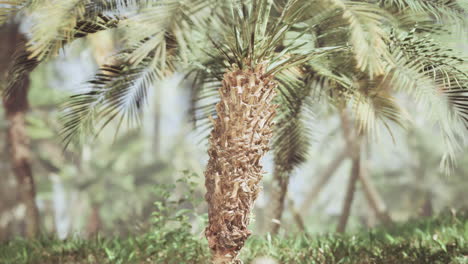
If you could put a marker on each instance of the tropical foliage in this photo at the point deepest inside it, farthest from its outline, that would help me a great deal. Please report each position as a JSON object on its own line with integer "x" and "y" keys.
{"x": 386, "y": 47}
{"x": 357, "y": 55}
{"x": 435, "y": 240}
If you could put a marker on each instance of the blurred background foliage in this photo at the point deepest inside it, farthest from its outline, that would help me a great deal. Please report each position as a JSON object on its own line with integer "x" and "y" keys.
{"x": 107, "y": 186}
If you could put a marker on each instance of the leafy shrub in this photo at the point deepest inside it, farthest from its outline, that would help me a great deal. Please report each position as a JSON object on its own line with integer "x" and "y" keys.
{"x": 170, "y": 240}
{"x": 442, "y": 239}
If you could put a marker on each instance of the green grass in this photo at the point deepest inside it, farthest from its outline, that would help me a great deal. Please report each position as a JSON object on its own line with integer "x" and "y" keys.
{"x": 441, "y": 239}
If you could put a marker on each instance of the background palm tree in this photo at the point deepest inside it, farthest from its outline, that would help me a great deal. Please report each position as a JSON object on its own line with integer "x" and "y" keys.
{"x": 256, "y": 49}
{"x": 21, "y": 62}
{"x": 16, "y": 105}
{"x": 363, "y": 21}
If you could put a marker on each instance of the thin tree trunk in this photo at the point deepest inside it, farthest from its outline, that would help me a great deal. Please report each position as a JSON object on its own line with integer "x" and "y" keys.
{"x": 278, "y": 196}
{"x": 323, "y": 179}
{"x": 345, "y": 212}
{"x": 355, "y": 153}
{"x": 16, "y": 106}
{"x": 94, "y": 222}
{"x": 296, "y": 215}
{"x": 239, "y": 139}
{"x": 427, "y": 209}
{"x": 373, "y": 198}
{"x": 157, "y": 125}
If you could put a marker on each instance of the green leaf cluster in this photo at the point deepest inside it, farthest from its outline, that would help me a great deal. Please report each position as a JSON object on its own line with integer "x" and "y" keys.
{"x": 350, "y": 54}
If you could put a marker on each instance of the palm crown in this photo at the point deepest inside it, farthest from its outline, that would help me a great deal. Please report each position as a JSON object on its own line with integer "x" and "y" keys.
{"x": 347, "y": 53}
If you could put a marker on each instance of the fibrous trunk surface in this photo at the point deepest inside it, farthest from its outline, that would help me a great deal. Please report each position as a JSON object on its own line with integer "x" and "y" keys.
{"x": 239, "y": 140}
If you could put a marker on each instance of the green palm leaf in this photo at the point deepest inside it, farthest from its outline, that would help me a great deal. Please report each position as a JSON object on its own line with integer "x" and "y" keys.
{"x": 367, "y": 34}
{"x": 381, "y": 107}
{"x": 436, "y": 79}
{"x": 9, "y": 8}
{"x": 441, "y": 10}
{"x": 24, "y": 60}
{"x": 293, "y": 130}
{"x": 116, "y": 92}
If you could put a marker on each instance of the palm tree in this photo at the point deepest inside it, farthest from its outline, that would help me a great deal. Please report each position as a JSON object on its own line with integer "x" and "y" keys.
{"x": 372, "y": 196}
{"x": 257, "y": 59}
{"x": 410, "y": 21}
{"x": 15, "y": 101}
{"x": 16, "y": 106}
{"x": 323, "y": 179}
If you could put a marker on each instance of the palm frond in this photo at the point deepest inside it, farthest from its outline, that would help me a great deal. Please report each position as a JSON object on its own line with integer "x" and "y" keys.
{"x": 434, "y": 76}
{"x": 448, "y": 11}
{"x": 24, "y": 60}
{"x": 58, "y": 23}
{"x": 292, "y": 80}
{"x": 438, "y": 65}
{"x": 168, "y": 22}
{"x": 155, "y": 37}
{"x": 10, "y": 8}
{"x": 22, "y": 65}
{"x": 247, "y": 41}
{"x": 292, "y": 137}
{"x": 254, "y": 33}
{"x": 380, "y": 108}
{"x": 368, "y": 36}
{"x": 408, "y": 20}
{"x": 116, "y": 92}
{"x": 205, "y": 80}
{"x": 115, "y": 6}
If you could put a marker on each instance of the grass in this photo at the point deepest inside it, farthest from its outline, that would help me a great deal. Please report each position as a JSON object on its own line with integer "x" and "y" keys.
{"x": 442, "y": 239}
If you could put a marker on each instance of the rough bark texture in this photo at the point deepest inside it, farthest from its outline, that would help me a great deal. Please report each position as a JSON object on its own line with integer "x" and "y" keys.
{"x": 239, "y": 140}
{"x": 323, "y": 179}
{"x": 278, "y": 197}
{"x": 16, "y": 106}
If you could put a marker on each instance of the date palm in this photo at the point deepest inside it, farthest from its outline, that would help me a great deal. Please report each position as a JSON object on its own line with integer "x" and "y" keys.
{"x": 258, "y": 61}
{"x": 16, "y": 101}
{"x": 390, "y": 27}
{"x": 16, "y": 107}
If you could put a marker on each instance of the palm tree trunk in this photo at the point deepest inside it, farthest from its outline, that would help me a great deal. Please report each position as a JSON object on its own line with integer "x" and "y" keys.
{"x": 297, "y": 216}
{"x": 373, "y": 198}
{"x": 323, "y": 179}
{"x": 278, "y": 196}
{"x": 427, "y": 209}
{"x": 16, "y": 106}
{"x": 355, "y": 171}
{"x": 156, "y": 138}
{"x": 94, "y": 221}
{"x": 355, "y": 153}
{"x": 240, "y": 138}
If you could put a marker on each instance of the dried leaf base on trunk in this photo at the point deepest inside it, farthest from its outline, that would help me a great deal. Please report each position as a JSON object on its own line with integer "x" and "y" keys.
{"x": 240, "y": 138}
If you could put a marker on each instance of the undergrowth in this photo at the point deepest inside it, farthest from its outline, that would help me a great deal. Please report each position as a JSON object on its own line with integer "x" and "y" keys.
{"x": 442, "y": 239}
